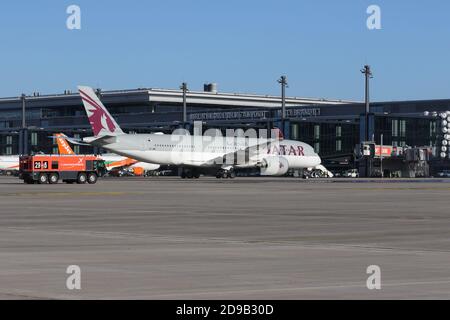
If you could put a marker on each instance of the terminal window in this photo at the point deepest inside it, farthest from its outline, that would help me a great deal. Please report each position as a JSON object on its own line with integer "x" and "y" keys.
{"x": 433, "y": 128}
{"x": 402, "y": 128}
{"x": 395, "y": 128}
{"x": 317, "y": 132}
{"x": 34, "y": 139}
{"x": 317, "y": 147}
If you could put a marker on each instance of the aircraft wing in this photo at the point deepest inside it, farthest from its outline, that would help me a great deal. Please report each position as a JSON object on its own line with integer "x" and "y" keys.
{"x": 100, "y": 141}
{"x": 73, "y": 140}
{"x": 243, "y": 155}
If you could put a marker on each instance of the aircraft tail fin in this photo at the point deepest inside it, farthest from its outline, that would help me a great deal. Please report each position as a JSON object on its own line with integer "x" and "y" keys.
{"x": 101, "y": 121}
{"x": 277, "y": 134}
{"x": 63, "y": 146}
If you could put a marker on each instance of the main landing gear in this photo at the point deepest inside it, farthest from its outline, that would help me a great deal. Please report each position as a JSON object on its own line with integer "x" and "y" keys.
{"x": 222, "y": 173}
{"x": 189, "y": 174}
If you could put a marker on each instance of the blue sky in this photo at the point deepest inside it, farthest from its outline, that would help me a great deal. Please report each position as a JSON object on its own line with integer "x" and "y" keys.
{"x": 244, "y": 46}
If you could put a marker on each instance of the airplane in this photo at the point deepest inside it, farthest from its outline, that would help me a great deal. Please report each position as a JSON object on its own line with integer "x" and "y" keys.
{"x": 112, "y": 161}
{"x": 197, "y": 154}
{"x": 9, "y": 164}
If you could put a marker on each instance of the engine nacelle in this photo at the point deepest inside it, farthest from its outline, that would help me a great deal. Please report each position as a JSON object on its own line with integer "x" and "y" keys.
{"x": 274, "y": 166}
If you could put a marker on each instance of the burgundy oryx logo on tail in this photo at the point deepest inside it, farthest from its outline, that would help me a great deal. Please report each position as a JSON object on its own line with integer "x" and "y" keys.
{"x": 99, "y": 118}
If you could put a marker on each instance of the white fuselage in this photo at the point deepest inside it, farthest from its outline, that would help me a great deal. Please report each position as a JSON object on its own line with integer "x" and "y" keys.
{"x": 204, "y": 151}
{"x": 9, "y": 163}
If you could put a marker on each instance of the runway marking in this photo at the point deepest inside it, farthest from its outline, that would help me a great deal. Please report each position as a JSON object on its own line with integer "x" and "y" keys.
{"x": 25, "y": 296}
{"x": 356, "y": 285}
{"x": 57, "y": 194}
{"x": 122, "y": 193}
{"x": 398, "y": 188}
{"x": 361, "y": 285}
{"x": 225, "y": 241}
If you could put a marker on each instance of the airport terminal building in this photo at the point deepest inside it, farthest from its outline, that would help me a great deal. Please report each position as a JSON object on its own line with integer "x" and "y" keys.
{"x": 333, "y": 127}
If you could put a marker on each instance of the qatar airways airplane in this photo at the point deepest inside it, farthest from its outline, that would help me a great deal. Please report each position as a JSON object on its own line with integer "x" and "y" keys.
{"x": 196, "y": 154}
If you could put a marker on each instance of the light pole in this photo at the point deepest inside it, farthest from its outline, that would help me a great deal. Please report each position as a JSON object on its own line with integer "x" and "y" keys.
{"x": 23, "y": 136}
{"x": 184, "y": 87}
{"x": 23, "y": 98}
{"x": 381, "y": 156}
{"x": 368, "y": 75}
{"x": 284, "y": 83}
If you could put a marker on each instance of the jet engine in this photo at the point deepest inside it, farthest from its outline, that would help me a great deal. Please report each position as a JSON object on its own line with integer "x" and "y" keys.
{"x": 274, "y": 166}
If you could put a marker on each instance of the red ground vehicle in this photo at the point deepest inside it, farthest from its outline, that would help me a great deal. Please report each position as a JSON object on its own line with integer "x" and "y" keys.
{"x": 68, "y": 168}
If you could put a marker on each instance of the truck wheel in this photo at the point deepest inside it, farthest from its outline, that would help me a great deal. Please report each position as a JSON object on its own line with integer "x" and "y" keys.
{"x": 53, "y": 178}
{"x": 43, "y": 178}
{"x": 92, "y": 178}
{"x": 82, "y": 178}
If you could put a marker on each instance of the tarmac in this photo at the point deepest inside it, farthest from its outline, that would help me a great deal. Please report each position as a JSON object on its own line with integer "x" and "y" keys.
{"x": 246, "y": 238}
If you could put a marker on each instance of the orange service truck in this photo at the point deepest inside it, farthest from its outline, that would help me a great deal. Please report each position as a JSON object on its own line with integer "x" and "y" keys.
{"x": 68, "y": 168}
